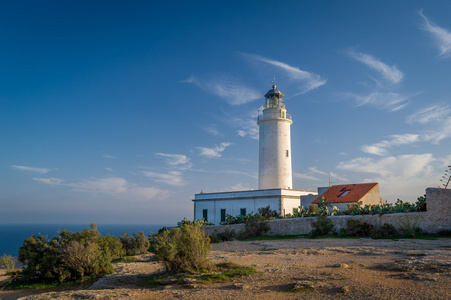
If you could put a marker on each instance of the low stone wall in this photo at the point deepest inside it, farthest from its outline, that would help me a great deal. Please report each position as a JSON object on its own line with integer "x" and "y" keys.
{"x": 436, "y": 218}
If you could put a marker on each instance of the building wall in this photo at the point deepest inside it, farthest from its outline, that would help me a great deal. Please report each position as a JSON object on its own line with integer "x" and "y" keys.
{"x": 436, "y": 218}
{"x": 306, "y": 200}
{"x": 274, "y": 166}
{"x": 233, "y": 202}
{"x": 372, "y": 198}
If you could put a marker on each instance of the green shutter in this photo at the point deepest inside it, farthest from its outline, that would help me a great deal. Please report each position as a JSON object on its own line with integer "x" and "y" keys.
{"x": 205, "y": 214}
{"x": 243, "y": 211}
{"x": 223, "y": 214}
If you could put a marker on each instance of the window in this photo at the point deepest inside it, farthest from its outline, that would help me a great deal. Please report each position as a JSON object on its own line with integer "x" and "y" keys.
{"x": 205, "y": 214}
{"x": 343, "y": 194}
{"x": 243, "y": 211}
{"x": 287, "y": 153}
{"x": 223, "y": 214}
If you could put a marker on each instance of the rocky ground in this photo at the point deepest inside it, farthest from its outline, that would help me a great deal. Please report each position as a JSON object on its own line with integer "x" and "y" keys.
{"x": 289, "y": 269}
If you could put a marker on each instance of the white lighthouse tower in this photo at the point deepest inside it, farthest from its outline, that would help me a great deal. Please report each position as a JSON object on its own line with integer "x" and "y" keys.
{"x": 275, "y": 184}
{"x": 274, "y": 167}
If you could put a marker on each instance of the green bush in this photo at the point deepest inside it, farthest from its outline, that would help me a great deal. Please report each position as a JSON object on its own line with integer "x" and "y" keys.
{"x": 356, "y": 228}
{"x": 135, "y": 244}
{"x": 255, "y": 227}
{"x": 267, "y": 213}
{"x": 322, "y": 226}
{"x": 225, "y": 235}
{"x": 8, "y": 262}
{"x": 67, "y": 256}
{"x": 182, "y": 249}
{"x": 112, "y": 246}
{"x": 386, "y": 231}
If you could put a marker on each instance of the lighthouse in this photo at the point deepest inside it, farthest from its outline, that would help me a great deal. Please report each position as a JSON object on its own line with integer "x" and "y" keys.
{"x": 275, "y": 183}
{"x": 274, "y": 165}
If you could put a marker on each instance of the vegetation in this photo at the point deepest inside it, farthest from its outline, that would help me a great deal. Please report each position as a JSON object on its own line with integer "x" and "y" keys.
{"x": 322, "y": 226}
{"x": 135, "y": 244}
{"x": 182, "y": 249}
{"x": 75, "y": 256}
{"x": 355, "y": 228}
{"x": 8, "y": 262}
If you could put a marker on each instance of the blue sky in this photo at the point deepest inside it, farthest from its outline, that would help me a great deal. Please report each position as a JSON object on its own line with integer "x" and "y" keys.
{"x": 120, "y": 111}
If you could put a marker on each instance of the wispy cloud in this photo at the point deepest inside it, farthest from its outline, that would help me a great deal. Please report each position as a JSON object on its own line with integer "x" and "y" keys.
{"x": 404, "y": 165}
{"x": 441, "y": 36}
{"x": 178, "y": 160}
{"x": 305, "y": 176}
{"x": 395, "y": 140}
{"x": 306, "y": 81}
{"x": 108, "y": 156}
{"x": 315, "y": 170}
{"x": 50, "y": 181}
{"x": 212, "y": 129}
{"x": 111, "y": 186}
{"x": 390, "y": 74}
{"x": 386, "y": 101}
{"x": 409, "y": 173}
{"x": 32, "y": 169}
{"x": 434, "y": 113}
{"x": 174, "y": 178}
{"x": 226, "y": 87}
{"x": 213, "y": 152}
{"x": 440, "y": 133}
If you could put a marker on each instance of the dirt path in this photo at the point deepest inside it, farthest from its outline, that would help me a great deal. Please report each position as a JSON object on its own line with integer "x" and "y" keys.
{"x": 316, "y": 269}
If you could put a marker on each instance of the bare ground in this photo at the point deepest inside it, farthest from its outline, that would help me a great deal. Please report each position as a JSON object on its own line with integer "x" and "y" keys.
{"x": 290, "y": 269}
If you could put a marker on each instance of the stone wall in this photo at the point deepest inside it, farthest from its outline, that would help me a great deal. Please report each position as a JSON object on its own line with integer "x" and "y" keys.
{"x": 436, "y": 218}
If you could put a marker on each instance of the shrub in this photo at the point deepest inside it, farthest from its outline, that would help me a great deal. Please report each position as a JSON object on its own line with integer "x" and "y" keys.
{"x": 225, "y": 235}
{"x": 421, "y": 203}
{"x": 268, "y": 213}
{"x": 386, "y": 231}
{"x": 68, "y": 256}
{"x": 409, "y": 226}
{"x": 8, "y": 262}
{"x": 322, "y": 226}
{"x": 255, "y": 227}
{"x": 136, "y": 244}
{"x": 112, "y": 246}
{"x": 357, "y": 228}
{"x": 183, "y": 249}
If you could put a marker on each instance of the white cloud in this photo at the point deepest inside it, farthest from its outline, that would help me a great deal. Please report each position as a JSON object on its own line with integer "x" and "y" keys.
{"x": 387, "y": 101}
{"x": 315, "y": 170}
{"x": 441, "y": 133}
{"x": 108, "y": 156}
{"x": 212, "y": 129}
{"x": 176, "y": 160}
{"x": 109, "y": 169}
{"x": 390, "y": 74}
{"x": 306, "y": 81}
{"x": 305, "y": 176}
{"x": 226, "y": 87}
{"x": 173, "y": 178}
{"x": 213, "y": 152}
{"x": 50, "y": 181}
{"x": 441, "y": 36}
{"x": 434, "y": 113}
{"x": 410, "y": 165}
{"x": 32, "y": 169}
{"x": 395, "y": 140}
{"x": 148, "y": 193}
{"x": 407, "y": 175}
{"x": 111, "y": 186}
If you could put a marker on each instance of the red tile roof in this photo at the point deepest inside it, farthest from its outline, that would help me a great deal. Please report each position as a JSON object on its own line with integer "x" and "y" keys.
{"x": 355, "y": 193}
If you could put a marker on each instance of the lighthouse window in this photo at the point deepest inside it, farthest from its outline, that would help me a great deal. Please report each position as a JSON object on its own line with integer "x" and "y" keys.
{"x": 283, "y": 114}
{"x": 287, "y": 154}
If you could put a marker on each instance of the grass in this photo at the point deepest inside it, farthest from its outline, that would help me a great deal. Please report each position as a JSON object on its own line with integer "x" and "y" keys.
{"x": 278, "y": 237}
{"x": 126, "y": 259}
{"x": 21, "y": 283}
{"x": 224, "y": 271}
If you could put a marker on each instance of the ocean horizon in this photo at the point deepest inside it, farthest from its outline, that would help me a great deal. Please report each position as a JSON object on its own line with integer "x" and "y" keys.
{"x": 12, "y": 236}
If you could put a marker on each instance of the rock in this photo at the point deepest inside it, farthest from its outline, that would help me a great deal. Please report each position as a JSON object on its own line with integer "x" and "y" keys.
{"x": 341, "y": 266}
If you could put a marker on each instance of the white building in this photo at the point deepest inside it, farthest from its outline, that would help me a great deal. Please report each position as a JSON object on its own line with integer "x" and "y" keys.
{"x": 274, "y": 176}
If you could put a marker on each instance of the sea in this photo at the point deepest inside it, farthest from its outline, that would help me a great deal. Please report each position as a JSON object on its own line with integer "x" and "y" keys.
{"x": 12, "y": 236}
